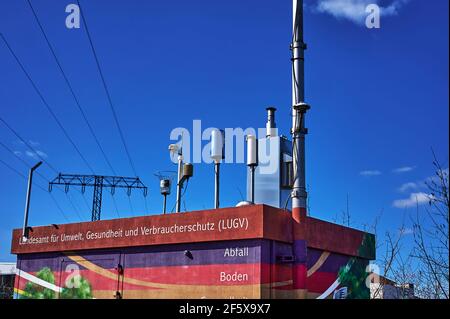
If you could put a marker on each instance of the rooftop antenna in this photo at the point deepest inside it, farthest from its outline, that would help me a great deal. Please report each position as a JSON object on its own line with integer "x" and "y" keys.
{"x": 217, "y": 154}
{"x": 185, "y": 171}
{"x": 271, "y": 126}
{"x": 252, "y": 163}
{"x": 165, "y": 185}
{"x": 177, "y": 150}
{"x": 299, "y": 108}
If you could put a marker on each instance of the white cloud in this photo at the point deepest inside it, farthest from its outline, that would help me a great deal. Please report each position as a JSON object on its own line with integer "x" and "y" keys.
{"x": 408, "y": 186}
{"x": 355, "y": 10}
{"x": 31, "y": 154}
{"x": 435, "y": 178}
{"x": 33, "y": 143}
{"x": 422, "y": 184}
{"x": 393, "y": 8}
{"x": 406, "y": 231}
{"x": 36, "y": 155}
{"x": 404, "y": 169}
{"x": 413, "y": 200}
{"x": 41, "y": 154}
{"x": 369, "y": 173}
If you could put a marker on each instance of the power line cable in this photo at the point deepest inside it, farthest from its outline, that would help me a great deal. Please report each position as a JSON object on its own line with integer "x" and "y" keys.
{"x": 38, "y": 186}
{"x": 39, "y": 174}
{"x": 146, "y": 205}
{"x": 107, "y": 90}
{"x": 27, "y": 164}
{"x": 77, "y": 211}
{"x": 77, "y": 102}
{"x": 182, "y": 195}
{"x": 32, "y": 149}
{"x": 131, "y": 205}
{"x": 59, "y": 207}
{"x": 21, "y": 159}
{"x": 44, "y": 101}
{"x": 115, "y": 205}
{"x": 85, "y": 201}
{"x": 108, "y": 95}
{"x": 14, "y": 170}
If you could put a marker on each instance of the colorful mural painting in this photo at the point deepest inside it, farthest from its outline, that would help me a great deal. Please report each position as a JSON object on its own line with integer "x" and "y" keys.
{"x": 354, "y": 274}
{"x": 264, "y": 267}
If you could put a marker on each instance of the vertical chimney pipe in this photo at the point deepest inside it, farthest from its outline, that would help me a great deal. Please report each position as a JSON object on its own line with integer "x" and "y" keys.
{"x": 299, "y": 108}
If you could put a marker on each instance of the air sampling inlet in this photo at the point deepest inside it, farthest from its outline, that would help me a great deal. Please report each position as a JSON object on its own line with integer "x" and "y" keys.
{"x": 271, "y": 126}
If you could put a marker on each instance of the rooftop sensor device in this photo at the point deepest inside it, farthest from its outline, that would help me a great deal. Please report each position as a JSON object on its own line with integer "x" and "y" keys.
{"x": 217, "y": 154}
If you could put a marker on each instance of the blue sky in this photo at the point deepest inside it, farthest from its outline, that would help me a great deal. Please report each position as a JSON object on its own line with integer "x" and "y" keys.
{"x": 379, "y": 99}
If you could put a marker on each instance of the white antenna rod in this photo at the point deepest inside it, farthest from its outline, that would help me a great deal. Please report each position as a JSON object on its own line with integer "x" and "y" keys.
{"x": 217, "y": 143}
{"x": 252, "y": 163}
{"x": 176, "y": 150}
{"x": 270, "y": 125}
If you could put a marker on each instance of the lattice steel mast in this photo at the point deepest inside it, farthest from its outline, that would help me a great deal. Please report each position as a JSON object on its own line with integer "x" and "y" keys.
{"x": 98, "y": 182}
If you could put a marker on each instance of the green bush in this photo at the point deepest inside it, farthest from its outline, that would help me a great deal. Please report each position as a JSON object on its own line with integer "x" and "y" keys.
{"x": 83, "y": 291}
{"x": 34, "y": 291}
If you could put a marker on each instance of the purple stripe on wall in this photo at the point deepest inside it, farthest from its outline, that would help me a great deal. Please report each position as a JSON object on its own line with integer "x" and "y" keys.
{"x": 300, "y": 251}
{"x": 35, "y": 262}
{"x": 313, "y": 256}
{"x": 333, "y": 264}
{"x": 201, "y": 254}
{"x": 155, "y": 256}
{"x": 277, "y": 248}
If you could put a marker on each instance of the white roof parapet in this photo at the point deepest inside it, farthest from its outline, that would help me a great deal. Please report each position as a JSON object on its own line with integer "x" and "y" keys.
{"x": 7, "y": 268}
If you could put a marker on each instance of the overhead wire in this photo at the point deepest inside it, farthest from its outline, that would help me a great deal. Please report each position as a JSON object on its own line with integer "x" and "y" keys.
{"x": 51, "y": 111}
{"x": 36, "y": 153}
{"x": 108, "y": 95}
{"x": 105, "y": 86}
{"x": 21, "y": 159}
{"x": 39, "y": 174}
{"x": 31, "y": 148}
{"x": 75, "y": 98}
{"x": 115, "y": 205}
{"x": 46, "y": 104}
{"x": 116, "y": 119}
{"x": 39, "y": 186}
{"x": 146, "y": 205}
{"x": 69, "y": 85}
{"x": 182, "y": 195}
{"x": 74, "y": 207}
{"x": 131, "y": 205}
